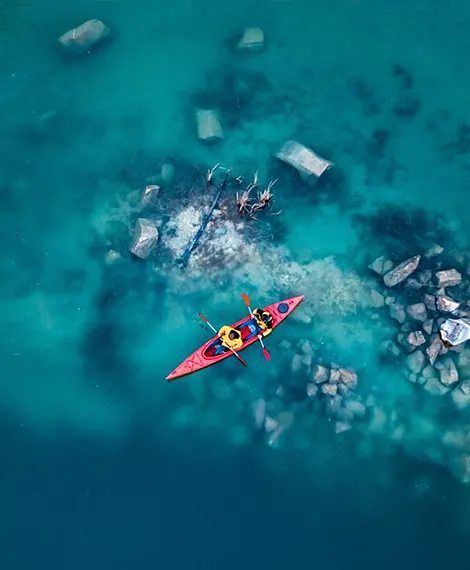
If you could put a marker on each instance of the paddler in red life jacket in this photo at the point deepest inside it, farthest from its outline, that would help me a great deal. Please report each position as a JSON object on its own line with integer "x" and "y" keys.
{"x": 264, "y": 320}
{"x": 230, "y": 337}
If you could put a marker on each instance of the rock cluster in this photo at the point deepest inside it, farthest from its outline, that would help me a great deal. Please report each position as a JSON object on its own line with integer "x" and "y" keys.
{"x": 420, "y": 297}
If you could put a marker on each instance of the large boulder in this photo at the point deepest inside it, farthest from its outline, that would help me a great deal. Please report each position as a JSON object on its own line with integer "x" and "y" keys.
{"x": 416, "y": 361}
{"x": 145, "y": 238}
{"x": 309, "y": 165}
{"x": 434, "y": 349}
{"x": 417, "y": 312}
{"x": 381, "y": 265}
{"x": 320, "y": 374}
{"x": 83, "y": 38}
{"x": 448, "y": 278}
{"x": 397, "y": 312}
{"x": 447, "y": 305}
{"x": 402, "y": 271}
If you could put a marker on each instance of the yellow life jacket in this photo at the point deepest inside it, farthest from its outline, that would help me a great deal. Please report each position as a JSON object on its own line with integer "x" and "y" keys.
{"x": 235, "y": 343}
{"x": 263, "y": 325}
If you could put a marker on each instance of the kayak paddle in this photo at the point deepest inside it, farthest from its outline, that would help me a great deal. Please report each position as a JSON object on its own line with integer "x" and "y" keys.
{"x": 266, "y": 354}
{"x": 216, "y": 332}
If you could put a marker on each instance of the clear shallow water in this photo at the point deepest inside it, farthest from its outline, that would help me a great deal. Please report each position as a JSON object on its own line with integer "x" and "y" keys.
{"x": 102, "y": 456}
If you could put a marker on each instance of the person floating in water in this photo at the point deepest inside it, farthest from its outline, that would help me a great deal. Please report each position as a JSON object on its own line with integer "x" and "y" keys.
{"x": 230, "y": 337}
{"x": 264, "y": 320}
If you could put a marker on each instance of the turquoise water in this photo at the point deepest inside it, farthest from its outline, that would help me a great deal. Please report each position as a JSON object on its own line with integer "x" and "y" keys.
{"x": 101, "y": 454}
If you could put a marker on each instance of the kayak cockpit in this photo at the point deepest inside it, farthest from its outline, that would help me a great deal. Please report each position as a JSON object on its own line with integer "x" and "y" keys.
{"x": 249, "y": 329}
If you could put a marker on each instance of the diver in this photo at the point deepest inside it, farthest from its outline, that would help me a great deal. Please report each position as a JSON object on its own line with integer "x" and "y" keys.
{"x": 264, "y": 320}
{"x": 230, "y": 337}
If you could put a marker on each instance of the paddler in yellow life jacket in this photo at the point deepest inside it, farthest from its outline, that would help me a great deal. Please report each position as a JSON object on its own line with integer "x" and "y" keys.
{"x": 230, "y": 337}
{"x": 264, "y": 320}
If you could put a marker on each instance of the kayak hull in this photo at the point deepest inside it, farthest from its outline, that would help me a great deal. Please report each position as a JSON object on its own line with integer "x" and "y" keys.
{"x": 212, "y": 352}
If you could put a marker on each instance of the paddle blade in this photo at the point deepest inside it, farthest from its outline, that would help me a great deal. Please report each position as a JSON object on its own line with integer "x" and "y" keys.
{"x": 266, "y": 354}
{"x": 246, "y": 299}
{"x": 200, "y": 315}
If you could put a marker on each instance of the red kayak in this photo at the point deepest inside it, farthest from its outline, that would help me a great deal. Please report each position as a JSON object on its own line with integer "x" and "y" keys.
{"x": 213, "y": 351}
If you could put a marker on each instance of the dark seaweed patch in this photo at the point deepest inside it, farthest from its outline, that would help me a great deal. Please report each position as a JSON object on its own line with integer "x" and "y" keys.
{"x": 371, "y": 103}
{"x": 405, "y": 77}
{"x": 407, "y": 108}
{"x": 378, "y": 142}
{"x": 461, "y": 144}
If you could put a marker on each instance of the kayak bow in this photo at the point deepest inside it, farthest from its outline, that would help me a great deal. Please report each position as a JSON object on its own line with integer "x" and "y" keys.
{"x": 213, "y": 351}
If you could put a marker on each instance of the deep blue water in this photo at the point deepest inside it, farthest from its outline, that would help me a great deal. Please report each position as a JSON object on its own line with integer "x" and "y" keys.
{"x": 105, "y": 464}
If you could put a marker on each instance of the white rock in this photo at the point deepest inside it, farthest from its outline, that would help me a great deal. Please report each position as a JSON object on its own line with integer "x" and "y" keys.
{"x": 320, "y": 374}
{"x": 460, "y": 466}
{"x": 208, "y": 125}
{"x": 448, "y": 278}
{"x": 329, "y": 389}
{"x": 447, "y": 305}
{"x": 145, "y": 238}
{"x": 416, "y": 338}
{"x": 284, "y": 420}
{"x": 149, "y": 195}
{"x": 455, "y": 331}
{"x": 415, "y": 361}
{"x": 300, "y": 316}
{"x": 401, "y": 271}
{"x": 252, "y": 40}
{"x": 417, "y": 311}
{"x": 84, "y": 37}
{"x": 285, "y": 344}
{"x": 304, "y": 160}
{"x": 305, "y": 347}
{"x": 348, "y": 377}
{"x": 335, "y": 376}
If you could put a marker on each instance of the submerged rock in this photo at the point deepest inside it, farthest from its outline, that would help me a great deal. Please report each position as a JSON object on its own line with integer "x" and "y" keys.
{"x": 83, "y": 38}
{"x": 448, "y": 373}
{"x": 342, "y": 426}
{"x": 430, "y": 301}
{"x": 209, "y": 128}
{"x": 461, "y": 396}
{"x": 335, "y": 376}
{"x": 455, "y": 331}
{"x": 312, "y": 389}
{"x": 428, "y": 326}
{"x": 417, "y": 312}
{"x": 252, "y": 40}
{"x": 150, "y": 195}
{"x": 434, "y": 250}
{"x": 435, "y": 388}
{"x": 448, "y": 278}
{"x": 145, "y": 238}
{"x": 305, "y": 161}
{"x": 381, "y": 265}
{"x": 402, "y": 271}
{"x": 397, "y": 312}
{"x": 259, "y": 413}
{"x": 415, "y": 361}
